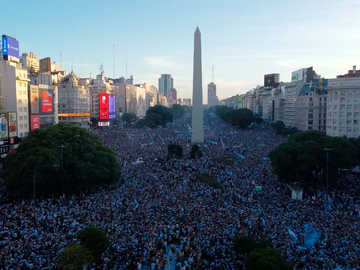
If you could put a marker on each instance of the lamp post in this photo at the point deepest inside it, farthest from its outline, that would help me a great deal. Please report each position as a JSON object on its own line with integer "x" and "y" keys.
{"x": 54, "y": 165}
{"x": 327, "y": 174}
{"x": 62, "y": 167}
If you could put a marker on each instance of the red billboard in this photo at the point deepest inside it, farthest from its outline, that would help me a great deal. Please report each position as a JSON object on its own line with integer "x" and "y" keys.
{"x": 46, "y": 101}
{"x": 34, "y": 122}
{"x": 104, "y": 106}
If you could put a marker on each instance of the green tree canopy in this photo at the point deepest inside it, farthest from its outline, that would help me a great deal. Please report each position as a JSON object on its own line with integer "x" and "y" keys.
{"x": 178, "y": 111}
{"x": 74, "y": 257}
{"x": 95, "y": 240}
{"x": 303, "y": 158}
{"x": 245, "y": 244}
{"x": 87, "y": 162}
{"x": 128, "y": 118}
{"x": 266, "y": 258}
{"x": 166, "y": 113}
{"x": 241, "y": 117}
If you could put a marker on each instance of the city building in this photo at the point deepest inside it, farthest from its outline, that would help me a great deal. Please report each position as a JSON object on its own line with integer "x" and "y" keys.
{"x": 305, "y": 75}
{"x": 47, "y": 66}
{"x": 155, "y": 93}
{"x": 187, "y": 102}
{"x": 73, "y": 102}
{"x": 351, "y": 73}
{"x": 131, "y": 80}
{"x": 310, "y": 108}
{"x": 14, "y": 100}
{"x": 279, "y": 103}
{"x": 166, "y": 82}
{"x": 103, "y": 109}
{"x": 292, "y": 91}
{"x": 163, "y": 100}
{"x": 172, "y": 97}
{"x": 212, "y": 98}
{"x": 29, "y": 61}
{"x": 343, "y": 107}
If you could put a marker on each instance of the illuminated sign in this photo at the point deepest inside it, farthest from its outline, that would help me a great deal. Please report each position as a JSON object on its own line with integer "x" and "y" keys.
{"x": 112, "y": 106}
{"x": 104, "y": 106}
{"x": 47, "y": 101}
{"x": 73, "y": 114}
{"x": 34, "y": 122}
{"x": 34, "y": 99}
{"x": 10, "y": 46}
{"x": 103, "y": 124}
{"x": 12, "y": 125}
{"x": 4, "y": 127}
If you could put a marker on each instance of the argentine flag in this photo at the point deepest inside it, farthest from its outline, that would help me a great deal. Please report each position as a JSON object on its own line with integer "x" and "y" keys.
{"x": 292, "y": 234}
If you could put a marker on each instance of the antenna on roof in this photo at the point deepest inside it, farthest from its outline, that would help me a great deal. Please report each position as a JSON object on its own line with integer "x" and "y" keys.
{"x": 126, "y": 70}
{"x": 101, "y": 70}
{"x": 81, "y": 68}
{"x": 213, "y": 73}
{"x": 72, "y": 65}
{"x": 61, "y": 61}
{"x": 114, "y": 61}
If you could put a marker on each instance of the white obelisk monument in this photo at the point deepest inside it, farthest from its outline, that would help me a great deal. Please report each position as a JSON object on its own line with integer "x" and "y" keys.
{"x": 197, "y": 108}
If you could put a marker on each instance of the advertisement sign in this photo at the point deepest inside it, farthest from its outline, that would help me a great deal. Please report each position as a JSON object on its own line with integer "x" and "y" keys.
{"x": 104, "y": 106}
{"x": 47, "y": 101}
{"x": 112, "y": 106}
{"x": 12, "y": 125}
{"x": 103, "y": 124}
{"x": 47, "y": 120}
{"x": 4, "y": 126}
{"x": 4, "y": 146}
{"x": 10, "y": 46}
{"x": 34, "y": 100}
{"x": 34, "y": 122}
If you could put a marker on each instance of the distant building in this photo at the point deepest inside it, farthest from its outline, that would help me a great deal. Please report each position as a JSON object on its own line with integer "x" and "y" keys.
{"x": 343, "y": 107}
{"x": 29, "y": 61}
{"x": 155, "y": 93}
{"x": 172, "y": 97}
{"x": 166, "y": 82}
{"x": 73, "y": 102}
{"x": 131, "y": 80}
{"x": 305, "y": 75}
{"x": 187, "y": 101}
{"x": 292, "y": 91}
{"x": 351, "y": 74}
{"x": 272, "y": 80}
{"x": 212, "y": 98}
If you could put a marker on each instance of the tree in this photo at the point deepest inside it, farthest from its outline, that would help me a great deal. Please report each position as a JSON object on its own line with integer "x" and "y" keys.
{"x": 128, "y": 118}
{"x": 175, "y": 150}
{"x": 244, "y": 244}
{"x": 87, "y": 162}
{"x": 195, "y": 152}
{"x": 154, "y": 119}
{"x": 95, "y": 240}
{"x": 74, "y": 257}
{"x": 241, "y": 117}
{"x": 166, "y": 113}
{"x": 266, "y": 258}
{"x": 178, "y": 111}
{"x": 303, "y": 159}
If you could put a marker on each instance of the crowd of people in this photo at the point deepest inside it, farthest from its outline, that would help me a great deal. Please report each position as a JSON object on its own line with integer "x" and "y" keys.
{"x": 162, "y": 217}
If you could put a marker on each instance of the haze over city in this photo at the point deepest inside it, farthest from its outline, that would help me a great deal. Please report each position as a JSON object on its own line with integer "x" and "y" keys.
{"x": 242, "y": 40}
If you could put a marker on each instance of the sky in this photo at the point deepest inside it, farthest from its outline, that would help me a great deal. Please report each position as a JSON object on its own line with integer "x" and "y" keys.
{"x": 243, "y": 40}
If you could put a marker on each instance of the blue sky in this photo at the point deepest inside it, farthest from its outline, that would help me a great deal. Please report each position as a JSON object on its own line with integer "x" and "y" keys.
{"x": 242, "y": 39}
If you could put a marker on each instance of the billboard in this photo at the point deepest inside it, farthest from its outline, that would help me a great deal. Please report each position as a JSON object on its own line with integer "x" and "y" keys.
{"x": 271, "y": 80}
{"x": 34, "y": 122}
{"x": 47, "y": 101}
{"x": 104, "y": 106}
{"x": 34, "y": 99}
{"x": 112, "y": 106}
{"x": 47, "y": 120}
{"x": 10, "y": 46}
{"x": 4, "y": 127}
{"x": 12, "y": 125}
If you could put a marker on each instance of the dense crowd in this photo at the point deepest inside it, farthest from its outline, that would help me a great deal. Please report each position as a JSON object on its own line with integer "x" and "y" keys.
{"x": 162, "y": 217}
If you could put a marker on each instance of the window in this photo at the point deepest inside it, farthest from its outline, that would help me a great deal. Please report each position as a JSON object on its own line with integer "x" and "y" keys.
{"x": 310, "y": 122}
{"x": 25, "y": 109}
{"x": 25, "y": 126}
{"x": 324, "y": 115}
{"x": 356, "y": 106}
{"x": 342, "y": 99}
{"x": 310, "y": 128}
{"x": 20, "y": 109}
{"x": 324, "y": 98}
{"x": 21, "y": 135}
{"x": 349, "y": 99}
{"x": 342, "y": 128}
{"x": 21, "y": 126}
{"x": 325, "y": 122}
{"x": 310, "y": 116}
{"x": 349, "y": 107}
{"x": 334, "y": 128}
{"x": 349, "y": 114}
{"x": 356, "y": 113}
{"x": 19, "y": 101}
{"x": 319, "y": 122}
{"x": 341, "y": 107}
{"x": 334, "y": 121}
{"x": 25, "y": 117}
{"x": 350, "y": 93}
{"x": 20, "y": 117}
{"x": 356, "y": 121}
{"x": 348, "y": 129}
{"x": 319, "y": 115}
{"x": 348, "y": 121}
{"x": 356, "y": 99}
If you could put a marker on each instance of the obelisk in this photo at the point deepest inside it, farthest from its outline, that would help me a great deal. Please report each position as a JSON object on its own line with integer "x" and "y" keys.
{"x": 197, "y": 108}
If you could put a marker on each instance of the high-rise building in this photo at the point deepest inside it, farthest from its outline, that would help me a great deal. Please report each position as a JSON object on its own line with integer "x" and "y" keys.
{"x": 343, "y": 107}
{"x": 187, "y": 101}
{"x": 272, "y": 80}
{"x": 74, "y": 102}
{"x": 305, "y": 75}
{"x": 29, "y": 61}
{"x": 47, "y": 66}
{"x": 212, "y": 98}
{"x": 166, "y": 82}
{"x": 172, "y": 97}
{"x": 197, "y": 109}
{"x": 131, "y": 80}
{"x": 351, "y": 73}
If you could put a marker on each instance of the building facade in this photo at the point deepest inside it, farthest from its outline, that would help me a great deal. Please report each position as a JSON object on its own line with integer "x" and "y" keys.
{"x": 172, "y": 97}
{"x": 29, "y": 61}
{"x": 74, "y": 102}
{"x": 343, "y": 107}
{"x": 212, "y": 98}
{"x": 166, "y": 82}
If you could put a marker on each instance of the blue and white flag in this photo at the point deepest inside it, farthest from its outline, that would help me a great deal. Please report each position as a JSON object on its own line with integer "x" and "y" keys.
{"x": 311, "y": 236}
{"x": 292, "y": 234}
{"x": 240, "y": 156}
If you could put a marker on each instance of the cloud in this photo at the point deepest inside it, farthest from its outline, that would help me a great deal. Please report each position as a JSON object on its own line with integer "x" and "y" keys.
{"x": 161, "y": 61}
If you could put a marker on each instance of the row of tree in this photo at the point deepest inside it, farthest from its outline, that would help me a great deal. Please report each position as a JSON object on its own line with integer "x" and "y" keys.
{"x": 86, "y": 163}
{"x": 280, "y": 128}
{"x": 241, "y": 118}
{"x": 160, "y": 115}
{"x": 303, "y": 158}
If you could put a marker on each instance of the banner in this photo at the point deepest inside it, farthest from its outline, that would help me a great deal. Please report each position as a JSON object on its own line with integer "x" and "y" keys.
{"x": 34, "y": 99}
{"x": 47, "y": 101}
{"x": 34, "y": 122}
{"x": 4, "y": 127}
{"x": 112, "y": 106}
{"x": 12, "y": 125}
{"x": 104, "y": 106}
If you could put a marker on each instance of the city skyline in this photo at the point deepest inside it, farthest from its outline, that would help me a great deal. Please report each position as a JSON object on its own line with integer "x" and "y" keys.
{"x": 243, "y": 41}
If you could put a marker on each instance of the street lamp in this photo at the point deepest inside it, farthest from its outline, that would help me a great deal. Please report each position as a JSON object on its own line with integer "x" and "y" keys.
{"x": 54, "y": 165}
{"x": 62, "y": 167}
{"x": 327, "y": 174}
